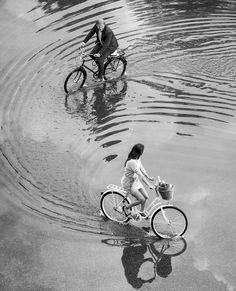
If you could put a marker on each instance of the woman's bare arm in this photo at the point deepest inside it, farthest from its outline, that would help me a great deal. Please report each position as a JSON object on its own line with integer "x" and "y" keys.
{"x": 137, "y": 171}
{"x": 144, "y": 172}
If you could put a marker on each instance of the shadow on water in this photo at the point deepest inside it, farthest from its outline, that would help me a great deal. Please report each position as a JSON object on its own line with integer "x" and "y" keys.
{"x": 145, "y": 259}
{"x": 96, "y": 103}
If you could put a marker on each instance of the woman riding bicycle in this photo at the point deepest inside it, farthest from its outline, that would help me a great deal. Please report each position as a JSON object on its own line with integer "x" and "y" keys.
{"x": 130, "y": 180}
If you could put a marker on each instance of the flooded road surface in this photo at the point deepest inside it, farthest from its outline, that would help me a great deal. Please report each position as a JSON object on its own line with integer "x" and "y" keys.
{"x": 58, "y": 152}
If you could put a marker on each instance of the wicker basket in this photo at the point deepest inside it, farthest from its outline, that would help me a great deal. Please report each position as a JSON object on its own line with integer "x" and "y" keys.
{"x": 166, "y": 191}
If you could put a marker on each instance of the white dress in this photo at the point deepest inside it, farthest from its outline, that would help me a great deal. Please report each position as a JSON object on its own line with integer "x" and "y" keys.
{"x": 130, "y": 180}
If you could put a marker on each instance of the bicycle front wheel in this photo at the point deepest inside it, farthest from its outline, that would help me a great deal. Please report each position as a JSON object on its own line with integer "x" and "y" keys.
{"x": 170, "y": 247}
{"x": 169, "y": 221}
{"x": 75, "y": 80}
{"x": 111, "y": 206}
{"x": 114, "y": 68}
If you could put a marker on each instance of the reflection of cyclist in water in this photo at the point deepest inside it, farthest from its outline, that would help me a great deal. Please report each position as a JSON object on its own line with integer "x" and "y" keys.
{"x": 98, "y": 102}
{"x": 163, "y": 267}
{"x": 132, "y": 259}
{"x": 163, "y": 262}
{"x": 135, "y": 253}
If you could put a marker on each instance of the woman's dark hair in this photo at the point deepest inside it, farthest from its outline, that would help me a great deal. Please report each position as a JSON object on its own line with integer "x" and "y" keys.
{"x": 136, "y": 152}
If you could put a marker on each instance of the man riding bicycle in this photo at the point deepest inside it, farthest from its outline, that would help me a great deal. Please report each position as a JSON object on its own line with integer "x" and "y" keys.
{"x": 106, "y": 44}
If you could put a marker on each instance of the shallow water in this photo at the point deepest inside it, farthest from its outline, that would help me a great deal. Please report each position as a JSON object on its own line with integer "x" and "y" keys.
{"x": 59, "y": 152}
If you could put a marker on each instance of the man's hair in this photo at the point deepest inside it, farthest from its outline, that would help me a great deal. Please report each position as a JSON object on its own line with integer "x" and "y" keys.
{"x": 100, "y": 21}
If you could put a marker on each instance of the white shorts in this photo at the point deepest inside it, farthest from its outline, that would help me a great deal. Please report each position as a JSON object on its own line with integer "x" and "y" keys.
{"x": 131, "y": 185}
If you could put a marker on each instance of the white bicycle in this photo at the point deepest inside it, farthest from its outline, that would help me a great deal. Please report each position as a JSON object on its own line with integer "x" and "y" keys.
{"x": 166, "y": 220}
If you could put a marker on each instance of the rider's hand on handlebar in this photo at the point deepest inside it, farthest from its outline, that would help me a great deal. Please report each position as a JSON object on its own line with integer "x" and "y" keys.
{"x": 82, "y": 44}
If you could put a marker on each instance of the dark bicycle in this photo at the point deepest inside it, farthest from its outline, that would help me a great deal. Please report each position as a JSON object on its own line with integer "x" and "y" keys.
{"x": 114, "y": 67}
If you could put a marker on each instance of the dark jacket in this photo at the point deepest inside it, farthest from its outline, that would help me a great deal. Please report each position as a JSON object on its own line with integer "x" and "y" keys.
{"x": 109, "y": 40}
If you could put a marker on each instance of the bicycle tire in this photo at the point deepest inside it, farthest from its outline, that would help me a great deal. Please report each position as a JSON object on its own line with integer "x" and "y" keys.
{"x": 75, "y": 80}
{"x": 111, "y": 200}
{"x": 114, "y": 68}
{"x": 171, "y": 247}
{"x": 174, "y": 228}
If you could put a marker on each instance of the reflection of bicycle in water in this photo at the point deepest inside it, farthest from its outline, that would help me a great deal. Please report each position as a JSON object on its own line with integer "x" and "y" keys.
{"x": 114, "y": 67}
{"x": 141, "y": 268}
{"x": 97, "y": 102}
{"x": 166, "y": 220}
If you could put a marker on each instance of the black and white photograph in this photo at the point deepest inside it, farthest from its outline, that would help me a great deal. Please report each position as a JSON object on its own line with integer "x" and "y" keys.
{"x": 117, "y": 145}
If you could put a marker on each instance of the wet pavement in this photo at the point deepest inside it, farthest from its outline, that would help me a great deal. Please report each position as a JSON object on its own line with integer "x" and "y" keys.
{"x": 58, "y": 152}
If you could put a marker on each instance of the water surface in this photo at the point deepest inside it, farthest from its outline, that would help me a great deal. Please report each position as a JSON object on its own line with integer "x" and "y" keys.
{"x": 59, "y": 152}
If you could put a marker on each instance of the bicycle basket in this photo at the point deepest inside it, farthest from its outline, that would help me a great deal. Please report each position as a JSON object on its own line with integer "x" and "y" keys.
{"x": 166, "y": 191}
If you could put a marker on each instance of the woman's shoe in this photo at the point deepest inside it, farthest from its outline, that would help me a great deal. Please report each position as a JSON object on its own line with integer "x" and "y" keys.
{"x": 146, "y": 229}
{"x": 142, "y": 214}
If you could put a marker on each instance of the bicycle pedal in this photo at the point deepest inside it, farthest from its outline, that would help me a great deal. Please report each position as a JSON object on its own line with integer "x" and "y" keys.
{"x": 136, "y": 217}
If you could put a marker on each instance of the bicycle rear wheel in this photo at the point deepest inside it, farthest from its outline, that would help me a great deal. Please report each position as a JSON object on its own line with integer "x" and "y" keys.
{"x": 111, "y": 205}
{"x": 75, "y": 80}
{"x": 168, "y": 222}
{"x": 114, "y": 68}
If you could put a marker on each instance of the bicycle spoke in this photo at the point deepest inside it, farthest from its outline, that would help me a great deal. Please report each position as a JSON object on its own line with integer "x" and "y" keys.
{"x": 173, "y": 247}
{"x": 111, "y": 205}
{"x": 74, "y": 81}
{"x": 169, "y": 222}
{"x": 114, "y": 68}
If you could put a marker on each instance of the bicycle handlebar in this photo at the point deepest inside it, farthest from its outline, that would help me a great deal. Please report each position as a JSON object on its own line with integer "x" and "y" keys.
{"x": 158, "y": 181}
{"x": 83, "y": 54}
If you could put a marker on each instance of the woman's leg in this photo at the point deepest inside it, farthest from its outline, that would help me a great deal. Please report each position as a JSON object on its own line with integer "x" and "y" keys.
{"x": 145, "y": 196}
{"x": 139, "y": 200}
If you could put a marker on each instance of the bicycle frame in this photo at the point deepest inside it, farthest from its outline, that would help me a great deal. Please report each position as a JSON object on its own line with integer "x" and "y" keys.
{"x": 151, "y": 208}
{"x": 83, "y": 57}
{"x": 88, "y": 68}
{"x": 154, "y": 205}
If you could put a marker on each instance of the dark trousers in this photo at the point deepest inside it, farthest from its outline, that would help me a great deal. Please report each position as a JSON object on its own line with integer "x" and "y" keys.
{"x": 101, "y": 59}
